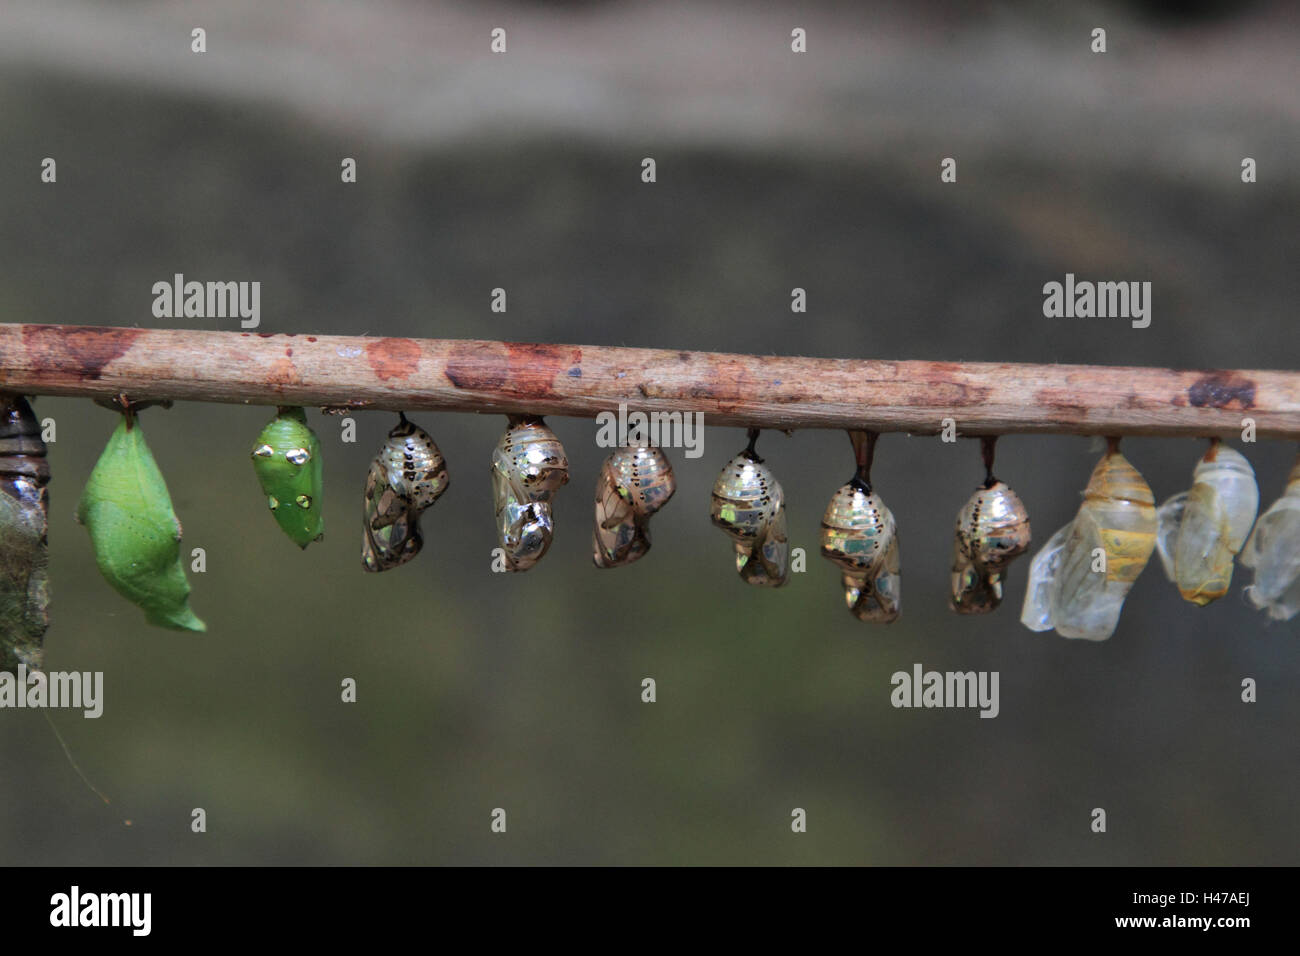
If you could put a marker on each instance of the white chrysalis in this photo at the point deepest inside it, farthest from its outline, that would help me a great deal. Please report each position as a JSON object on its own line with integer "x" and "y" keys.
{"x": 1273, "y": 553}
{"x": 1202, "y": 530}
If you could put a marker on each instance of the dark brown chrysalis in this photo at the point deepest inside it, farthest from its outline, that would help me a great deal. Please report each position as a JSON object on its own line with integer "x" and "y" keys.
{"x": 24, "y": 581}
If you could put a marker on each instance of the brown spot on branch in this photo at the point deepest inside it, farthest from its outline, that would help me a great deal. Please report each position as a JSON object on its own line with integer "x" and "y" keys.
{"x": 90, "y": 348}
{"x": 1220, "y": 390}
{"x": 393, "y": 359}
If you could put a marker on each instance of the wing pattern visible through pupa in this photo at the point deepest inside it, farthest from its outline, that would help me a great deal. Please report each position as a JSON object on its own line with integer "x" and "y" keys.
{"x": 407, "y": 476}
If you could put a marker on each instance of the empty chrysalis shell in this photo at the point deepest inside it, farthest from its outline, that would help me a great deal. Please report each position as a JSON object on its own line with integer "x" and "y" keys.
{"x": 528, "y": 467}
{"x": 749, "y": 505}
{"x": 406, "y": 477}
{"x": 992, "y": 530}
{"x": 1273, "y": 553}
{"x": 634, "y": 483}
{"x": 1201, "y": 531}
{"x": 860, "y": 535}
{"x": 134, "y": 531}
{"x": 24, "y": 584}
{"x": 1078, "y": 581}
{"x": 287, "y": 460}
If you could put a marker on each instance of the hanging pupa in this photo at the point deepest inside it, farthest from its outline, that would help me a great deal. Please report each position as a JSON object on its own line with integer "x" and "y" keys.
{"x": 992, "y": 531}
{"x": 1273, "y": 553}
{"x": 528, "y": 467}
{"x": 406, "y": 477}
{"x": 860, "y": 535}
{"x": 1079, "y": 579}
{"x": 749, "y": 505}
{"x": 287, "y": 459}
{"x": 24, "y": 584}
{"x": 1201, "y": 531}
{"x": 634, "y": 483}
{"x": 134, "y": 531}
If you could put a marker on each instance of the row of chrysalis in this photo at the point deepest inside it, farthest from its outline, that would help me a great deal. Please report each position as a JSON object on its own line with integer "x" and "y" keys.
{"x": 1077, "y": 582}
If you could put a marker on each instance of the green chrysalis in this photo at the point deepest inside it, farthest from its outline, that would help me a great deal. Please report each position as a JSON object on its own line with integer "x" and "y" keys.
{"x": 128, "y": 512}
{"x": 24, "y": 585}
{"x": 288, "y": 465}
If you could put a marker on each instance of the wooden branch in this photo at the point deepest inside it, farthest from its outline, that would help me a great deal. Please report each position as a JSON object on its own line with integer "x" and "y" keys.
{"x": 747, "y": 390}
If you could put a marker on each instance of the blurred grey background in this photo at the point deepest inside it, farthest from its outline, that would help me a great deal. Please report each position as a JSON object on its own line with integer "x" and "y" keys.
{"x": 775, "y": 170}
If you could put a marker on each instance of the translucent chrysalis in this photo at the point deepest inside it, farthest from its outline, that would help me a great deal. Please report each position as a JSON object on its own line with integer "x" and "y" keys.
{"x": 1273, "y": 553}
{"x": 1079, "y": 579}
{"x": 1202, "y": 530}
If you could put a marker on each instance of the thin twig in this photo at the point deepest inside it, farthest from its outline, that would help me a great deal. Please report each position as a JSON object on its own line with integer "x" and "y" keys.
{"x": 399, "y": 374}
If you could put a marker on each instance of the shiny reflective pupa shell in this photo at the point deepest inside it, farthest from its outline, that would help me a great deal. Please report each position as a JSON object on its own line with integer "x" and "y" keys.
{"x": 749, "y": 505}
{"x": 634, "y": 483}
{"x": 1273, "y": 553}
{"x": 24, "y": 582}
{"x": 134, "y": 530}
{"x": 406, "y": 477}
{"x": 1201, "y": 531}
{"x": 1118, "y": 515}
{"x": 992, "y": 531}
{"x": 860, "y": 535}
{"x": 287, "y": 459}
{"x": 528, "y": 467}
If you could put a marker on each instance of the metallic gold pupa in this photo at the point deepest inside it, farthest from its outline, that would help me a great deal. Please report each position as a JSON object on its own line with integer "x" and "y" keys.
{"x": 860, "y": 535}
{"x": 634, "y": 483}
{"x": 528, "y": 467}
{"x": 406, "y": 477}
{"x": 749, "y": 505}
{"x": 992, "y": 531}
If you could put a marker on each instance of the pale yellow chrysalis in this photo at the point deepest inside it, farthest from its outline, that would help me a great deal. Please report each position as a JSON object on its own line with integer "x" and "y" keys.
{"x": 1078, "y": 581}
{"x": 1202, "y": 530}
